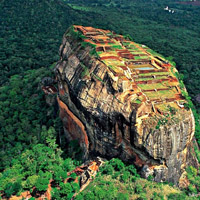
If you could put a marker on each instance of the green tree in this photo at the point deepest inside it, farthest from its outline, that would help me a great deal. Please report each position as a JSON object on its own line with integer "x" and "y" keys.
{"x": 43, "y": 181}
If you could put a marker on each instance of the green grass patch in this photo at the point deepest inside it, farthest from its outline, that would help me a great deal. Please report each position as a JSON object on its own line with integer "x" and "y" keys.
{"x": 126, "y": 43}
{"x": 151, "y": 95}
{"x": 99, "y": 52}
{"x": 136, "y": 52}
{"x": 144, "y": 57}
{"x": 151, "y": 78}
{"x": 154, "y": 73}
{"x": 116, "y": 47}
{"x": 85, "y": 71}
{"x": 144, "y": 79}
{"x": 110, "y": 34}
{"x": 166, "y": 93}
{"x": 140, "y": 57}
{"x": 151, "y": 86}
{"x": 133, "y": 47}
{"x": 112, "y": 67}
{"x": 137, "y": 101}
{"x": 154, "y": 53}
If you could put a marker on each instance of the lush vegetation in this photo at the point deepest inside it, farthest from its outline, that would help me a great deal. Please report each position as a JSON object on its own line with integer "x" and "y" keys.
{"x": 119, "y": 181}
{"x": 115, "y": 180}
{"x": 36, "y": 167}
{"x": 23, "y": 114}
{"x": 30, "y": 130}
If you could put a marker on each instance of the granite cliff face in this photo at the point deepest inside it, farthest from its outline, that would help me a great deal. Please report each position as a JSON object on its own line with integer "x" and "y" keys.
{"x": 120, "y": 99}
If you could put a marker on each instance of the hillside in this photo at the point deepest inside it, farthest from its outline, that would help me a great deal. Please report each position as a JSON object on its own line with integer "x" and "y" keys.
{"x": 28, "y": 37}
{"x": 30, "y": 33}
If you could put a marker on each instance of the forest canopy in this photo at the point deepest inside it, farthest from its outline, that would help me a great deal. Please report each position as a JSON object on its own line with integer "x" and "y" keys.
{"x": 30, "y": 35}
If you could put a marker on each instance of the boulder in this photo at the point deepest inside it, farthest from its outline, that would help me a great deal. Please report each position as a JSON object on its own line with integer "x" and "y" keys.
{"x": 121, "y": 99}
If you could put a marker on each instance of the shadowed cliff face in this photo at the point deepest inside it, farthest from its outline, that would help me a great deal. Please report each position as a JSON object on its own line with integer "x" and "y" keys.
{"x": 120, "y": 99}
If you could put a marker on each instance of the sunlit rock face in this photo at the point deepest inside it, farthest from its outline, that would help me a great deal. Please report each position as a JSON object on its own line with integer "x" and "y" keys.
{"x": 121, "y": 99}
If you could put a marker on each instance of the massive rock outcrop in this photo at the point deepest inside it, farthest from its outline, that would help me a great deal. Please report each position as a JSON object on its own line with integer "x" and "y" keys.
{"x": 120, "y": 99}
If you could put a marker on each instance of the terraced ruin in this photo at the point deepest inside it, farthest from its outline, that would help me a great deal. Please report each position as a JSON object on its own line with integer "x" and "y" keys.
{"x": 148, "y": 77}
{"x": 121, "y": 99}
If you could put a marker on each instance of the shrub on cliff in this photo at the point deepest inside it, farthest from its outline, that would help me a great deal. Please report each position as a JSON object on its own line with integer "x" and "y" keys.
{"x": 107, "y": 169}
{"x": 194, "y": 178}
{"x": 117, "y": 164}
{"x": 114, "y": 167}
